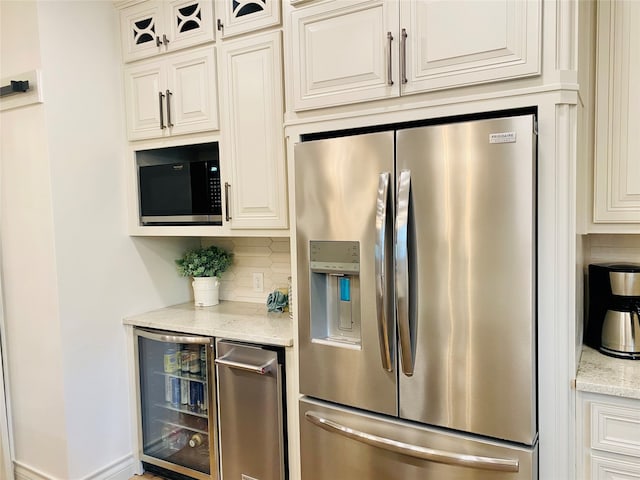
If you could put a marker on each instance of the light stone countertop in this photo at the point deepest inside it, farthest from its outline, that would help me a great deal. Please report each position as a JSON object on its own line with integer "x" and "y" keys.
{"x": 249, "y": 322}
{"x": 599, "y": 373}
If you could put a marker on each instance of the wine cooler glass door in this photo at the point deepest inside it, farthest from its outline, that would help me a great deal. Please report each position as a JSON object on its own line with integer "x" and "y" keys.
{"x": 174, "y": 375}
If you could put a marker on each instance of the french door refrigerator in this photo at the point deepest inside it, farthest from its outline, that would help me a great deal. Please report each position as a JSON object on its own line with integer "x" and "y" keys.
{"x": 416, "y": 289}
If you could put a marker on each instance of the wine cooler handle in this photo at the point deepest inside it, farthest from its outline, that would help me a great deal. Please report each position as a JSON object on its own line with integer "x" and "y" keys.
{"x": 170, "y": 337}
{"x": 381, "y": 276}
{"x": 416, "y": 451}
{"x": 402, "y": 271}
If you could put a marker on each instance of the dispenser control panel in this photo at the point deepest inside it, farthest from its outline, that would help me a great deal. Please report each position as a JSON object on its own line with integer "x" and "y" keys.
{"x": 334, "y": 257}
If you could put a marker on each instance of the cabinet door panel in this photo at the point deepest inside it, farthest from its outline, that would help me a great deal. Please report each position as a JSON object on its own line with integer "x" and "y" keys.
{"x": 139, "y": 26}
{"x": 189, "y": 22}
{"x": 603, "y": 468}
{"x": 468, "y": 42}
{"x": 341, "y": 53}
{"x": 617, "y": 169}
{"x": 143, "y": 85}
{"x": 193, "y": 102}
{"x": 241, "y": 16}
{"x": 253, "y": 132}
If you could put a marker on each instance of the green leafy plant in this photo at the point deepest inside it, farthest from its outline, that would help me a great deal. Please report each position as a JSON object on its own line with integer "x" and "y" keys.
{"x": 204, "y": 262}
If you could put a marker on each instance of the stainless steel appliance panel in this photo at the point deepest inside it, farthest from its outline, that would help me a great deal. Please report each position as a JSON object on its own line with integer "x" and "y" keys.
{"x": 250, "y": 403}
{"x": 468, "y": 289}
{"x": 344, "y": 444}
{"x": 344, "y": 195}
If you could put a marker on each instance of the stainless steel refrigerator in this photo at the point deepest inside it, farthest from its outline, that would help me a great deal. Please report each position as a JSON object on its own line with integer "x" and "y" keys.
{"x": 417, "y": 302}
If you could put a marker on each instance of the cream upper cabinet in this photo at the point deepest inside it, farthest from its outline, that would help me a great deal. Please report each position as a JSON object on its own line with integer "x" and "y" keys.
{"x": 155, "y": 27}
{"x": 172, "y": 96}
{"x": 352, "y": 51}
{"x": 242, "y": 16}
{"x": 252, "y": 139}
{"x": 466, "y": 42}
{"x": 617, "y": 149}
{"x": 343, "y": 52}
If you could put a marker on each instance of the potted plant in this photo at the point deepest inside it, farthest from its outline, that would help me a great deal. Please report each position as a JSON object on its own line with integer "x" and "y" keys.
{"x": 205, "y": 265}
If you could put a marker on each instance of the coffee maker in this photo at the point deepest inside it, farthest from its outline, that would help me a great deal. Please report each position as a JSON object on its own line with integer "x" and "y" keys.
{"x": 613, "y": 323}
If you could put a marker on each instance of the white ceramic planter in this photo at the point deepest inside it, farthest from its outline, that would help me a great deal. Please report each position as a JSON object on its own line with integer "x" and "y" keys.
{"x": 206, "y": 291}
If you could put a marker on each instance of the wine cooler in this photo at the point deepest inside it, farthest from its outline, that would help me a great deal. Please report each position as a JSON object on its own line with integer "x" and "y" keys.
{"x": 176, "y": 401}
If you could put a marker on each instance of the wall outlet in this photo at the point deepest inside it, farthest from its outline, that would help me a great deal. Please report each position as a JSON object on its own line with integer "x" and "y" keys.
{"x": 258, "y": 282}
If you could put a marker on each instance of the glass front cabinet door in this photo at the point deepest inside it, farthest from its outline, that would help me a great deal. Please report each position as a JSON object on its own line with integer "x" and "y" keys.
{"x": 241, "y": 16}
{"x": 176, "y": 402}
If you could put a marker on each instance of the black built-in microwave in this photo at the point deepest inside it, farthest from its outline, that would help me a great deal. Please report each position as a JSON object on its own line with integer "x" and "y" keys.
{"x": 180, "y": 185}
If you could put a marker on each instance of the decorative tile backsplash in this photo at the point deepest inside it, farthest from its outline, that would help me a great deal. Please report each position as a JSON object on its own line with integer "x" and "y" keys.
{"x": 614, "y": 248}
{"x": 269, "y": 256}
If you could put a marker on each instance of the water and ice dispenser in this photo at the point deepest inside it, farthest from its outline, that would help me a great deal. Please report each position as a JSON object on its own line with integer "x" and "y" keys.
{"x": 335, "y": 292}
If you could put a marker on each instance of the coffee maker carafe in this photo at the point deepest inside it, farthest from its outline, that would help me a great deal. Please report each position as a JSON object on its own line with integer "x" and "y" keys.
{"x": 614, "y": 311}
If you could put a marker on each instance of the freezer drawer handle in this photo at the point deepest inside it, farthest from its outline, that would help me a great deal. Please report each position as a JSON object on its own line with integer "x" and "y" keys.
{"x": 381, "y": 275}
{"x": 259, "y": 369}
{"x": 429, "y": 454}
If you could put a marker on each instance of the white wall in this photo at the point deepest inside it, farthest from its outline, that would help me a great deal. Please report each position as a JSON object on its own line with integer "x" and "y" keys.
{"x": 70, "y": 271}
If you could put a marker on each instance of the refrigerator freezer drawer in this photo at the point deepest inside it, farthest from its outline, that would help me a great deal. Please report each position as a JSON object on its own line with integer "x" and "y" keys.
{"x": 343, "y": 443}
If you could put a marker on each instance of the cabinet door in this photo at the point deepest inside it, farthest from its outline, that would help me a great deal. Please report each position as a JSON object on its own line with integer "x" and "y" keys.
{"x": 603, "y": 468}
{"x": 241, "y": 16}
{"x": 192, "y": 97}
{"x": 141, "y": 28}
{"x": 188, "y": 23}
{"x": 144, "y": 96}
{"x": 617, "y": 150}
{"x": 467, "y": 42}
{"x": 253, "y": 138}
{"x": 344, "y": 52}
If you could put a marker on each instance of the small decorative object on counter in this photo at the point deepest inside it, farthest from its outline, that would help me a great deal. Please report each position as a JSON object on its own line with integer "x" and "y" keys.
{"x": 277, "y": 301}
{"x": 205, "y": 265}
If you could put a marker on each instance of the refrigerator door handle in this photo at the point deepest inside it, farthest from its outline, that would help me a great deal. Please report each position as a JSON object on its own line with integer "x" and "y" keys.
{"x": 402, "y": 271}
{"x": 380, "y": 258}
{"x": 416, "y": 451}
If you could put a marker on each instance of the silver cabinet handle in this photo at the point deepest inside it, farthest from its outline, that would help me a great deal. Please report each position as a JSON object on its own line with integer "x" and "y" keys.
{"x": 381, "y": 277}
{"x": 416, "y": 451}
{"x": 389, "y": 71}
{"x": 402, "y": 270}
{"x": 160, "y": 98}
{"x": 227, "y": 187}
{"x": 169, "y": 337}
{"x": 165, "y": 40}
{"x": 220, "y": 25}
{"x": 403, "y": 56}
{"x": 158, "y": 41}
{"x": 169, "y": 124}
{"x": 259, "y": 369}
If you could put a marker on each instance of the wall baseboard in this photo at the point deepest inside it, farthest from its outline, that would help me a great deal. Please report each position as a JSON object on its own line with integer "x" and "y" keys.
{"x": 122, "y": 469}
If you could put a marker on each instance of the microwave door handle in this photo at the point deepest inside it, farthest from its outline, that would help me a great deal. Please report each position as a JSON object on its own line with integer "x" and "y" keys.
{"x": 402, "y": 271}
{"x": 380, "y": 268}
{"x": 415, "y": 451}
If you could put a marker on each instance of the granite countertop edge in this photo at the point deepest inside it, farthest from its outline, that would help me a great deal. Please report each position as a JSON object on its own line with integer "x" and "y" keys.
{"x": 599, "y": 373}
{"x": 242, "y": 321}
